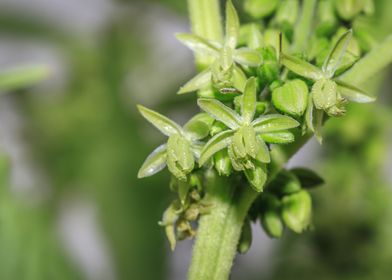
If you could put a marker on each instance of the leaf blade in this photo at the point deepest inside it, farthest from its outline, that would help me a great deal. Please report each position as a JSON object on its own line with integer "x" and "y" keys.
{"x": 220, "y": 112}
{"x": 214, "y": 145}
{"x": 198, "y": 44}
{"x": 154, "y": 163}
{"x": 353, "y": 93}
{"x": 232, "y": 25}
{"x": 273, "y": 122}
{"x": 301, "y": 67}
{"x": 162, "y": 123}
{"x": 334, "y": 58}
{"x": 248, "y": 57}
{"x": 200, "y": 81}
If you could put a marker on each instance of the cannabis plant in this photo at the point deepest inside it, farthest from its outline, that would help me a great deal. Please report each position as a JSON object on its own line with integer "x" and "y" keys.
{"x": 264, "y": 89}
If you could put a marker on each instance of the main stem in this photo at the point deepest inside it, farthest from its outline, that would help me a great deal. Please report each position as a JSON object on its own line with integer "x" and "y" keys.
{"x": 219, "y": 231}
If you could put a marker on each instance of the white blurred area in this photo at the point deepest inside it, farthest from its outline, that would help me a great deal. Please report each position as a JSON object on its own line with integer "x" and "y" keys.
{"x": 78, "y": 226}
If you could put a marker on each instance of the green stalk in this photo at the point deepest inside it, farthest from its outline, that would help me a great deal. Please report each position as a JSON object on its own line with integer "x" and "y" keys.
{"x": 206, "y": 22}
{"x": 372, "y": 63}
{"x": 219, "y": 231}
{"x": 304, "y": 26}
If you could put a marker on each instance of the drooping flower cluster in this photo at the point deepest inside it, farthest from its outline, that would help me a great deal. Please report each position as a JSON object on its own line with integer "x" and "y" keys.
{"x": 261, "y": 90}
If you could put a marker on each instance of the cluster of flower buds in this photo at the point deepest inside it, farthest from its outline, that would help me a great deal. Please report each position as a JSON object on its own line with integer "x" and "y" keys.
{"x": 178, "y": 217}
{"x": 286, "y": 202}
{"x": 261, "y": 90}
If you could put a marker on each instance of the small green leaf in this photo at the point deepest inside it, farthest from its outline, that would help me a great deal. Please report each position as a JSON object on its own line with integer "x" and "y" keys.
{"x": 215, "y": 144}
{"x": 248, "y": 107}
{"x": 353, "y": 93}
{"x": 301, "y": 67}
{"x": 291, "y": 98}
{"x": 220, "y": 112}
{"x": 198, "y": 44}
{"x": 263, "y": 154}
{"x": 273, "y": 122}
{"x": 199, "y": 126}
{"x": 247, "y": 57}
{"x": 297, "y": 211}
{"x": 307, "y": 177}
{"x": 280, "y": 137}
{"x": 336, "y": 55}
{"x": 200, "y": 81}
{"x": 257, "y": 176}
{"x": 165, "y": 125}
{"x": 20, "y": 77}
{"x": 154, "y": 163}
{"x": 232, "y": 25}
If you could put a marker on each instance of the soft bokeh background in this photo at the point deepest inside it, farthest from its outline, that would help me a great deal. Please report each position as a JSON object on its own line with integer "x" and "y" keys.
{"x": 70, "y": 204}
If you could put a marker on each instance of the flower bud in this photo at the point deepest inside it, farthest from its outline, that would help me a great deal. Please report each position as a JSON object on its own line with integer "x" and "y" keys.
{"x": 348, "y": 9}
{"x": 246, "y": 237}
{"x": 269, "y": 70}
{"x": 180, "y": 159}
{"x": 326, "y": 18}
{"x": 269, "y": 216}
{"x": 169, "y": 219}
{"x": 297, "y": 211}
{"x": 260, "y": 8}
{"x": 287, "y": 14}
{"x": 291, "y": 98}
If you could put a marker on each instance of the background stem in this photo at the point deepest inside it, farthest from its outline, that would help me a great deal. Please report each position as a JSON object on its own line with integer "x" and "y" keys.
{"x": 206, "y": 22}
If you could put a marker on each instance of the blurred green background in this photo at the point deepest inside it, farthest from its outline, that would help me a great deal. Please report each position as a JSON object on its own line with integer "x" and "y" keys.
{"x": 70, "y": 204}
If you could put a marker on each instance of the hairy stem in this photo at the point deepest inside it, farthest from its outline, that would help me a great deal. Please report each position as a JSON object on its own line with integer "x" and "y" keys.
{"x": 219, "y": 231}
{"x": 206, "y": 21}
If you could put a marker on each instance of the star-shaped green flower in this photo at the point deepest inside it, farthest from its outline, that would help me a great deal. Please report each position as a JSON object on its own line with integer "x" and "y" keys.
{"x": 224, "y": 73}
{"x": 246, "y": 136}
{"x": 329, "y": 93}
{"x": 182, "y": 148}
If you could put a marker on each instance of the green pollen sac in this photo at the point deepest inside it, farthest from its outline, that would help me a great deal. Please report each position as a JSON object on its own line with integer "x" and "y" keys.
{"x": 291, "y": 98}
{"x": 260, "y": 8}
{"x": 257, "y": 176}
{"x": 222, "y": 163}
{"x": 270, "y": 216}
{"x": 297, "y": 211}
{"x": 180, "y": 159}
